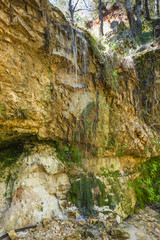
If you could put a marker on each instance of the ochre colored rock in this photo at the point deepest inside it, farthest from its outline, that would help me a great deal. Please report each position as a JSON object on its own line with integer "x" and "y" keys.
{"x": 102, "y": 113}
{"x": 13, "y": 235}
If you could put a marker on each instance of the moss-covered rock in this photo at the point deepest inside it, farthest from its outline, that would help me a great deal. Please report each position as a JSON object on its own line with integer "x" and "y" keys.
{"x": 10, "y": 154}
{"x": 86, "y": 193}
{"x": 68, "y": 153}
{"x": 119, "y": 195}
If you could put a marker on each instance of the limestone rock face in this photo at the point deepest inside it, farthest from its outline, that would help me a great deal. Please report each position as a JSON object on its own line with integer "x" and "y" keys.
{"x": 53, "y": 83}
{"x": 98, "y": 110}
{"x": 40, "y": 186}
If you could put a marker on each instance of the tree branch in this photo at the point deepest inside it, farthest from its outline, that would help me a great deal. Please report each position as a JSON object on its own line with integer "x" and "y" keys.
{"x": 85, "y": 4}
{"x": 18, "y": 230}
{"x": 75, "y": 5}
{"x": 83, "y": 9}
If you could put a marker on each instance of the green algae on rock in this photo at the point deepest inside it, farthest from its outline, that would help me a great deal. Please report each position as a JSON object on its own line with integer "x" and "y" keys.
{"x": 84, "y": 109}
{"x": 86, "y": 193}
{"x": 147, "y": 184}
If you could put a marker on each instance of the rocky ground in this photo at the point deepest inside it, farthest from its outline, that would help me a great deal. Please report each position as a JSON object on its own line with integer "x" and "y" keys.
{"x": 144, "y": 225}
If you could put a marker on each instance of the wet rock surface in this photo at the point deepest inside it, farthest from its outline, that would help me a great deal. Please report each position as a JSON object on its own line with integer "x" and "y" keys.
{"x": 144, "y": 225}
{"x": 56, "y": 86}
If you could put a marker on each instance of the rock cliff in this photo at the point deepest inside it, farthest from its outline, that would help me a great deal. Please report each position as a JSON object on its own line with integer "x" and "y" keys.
{"x": 68, "y": 115}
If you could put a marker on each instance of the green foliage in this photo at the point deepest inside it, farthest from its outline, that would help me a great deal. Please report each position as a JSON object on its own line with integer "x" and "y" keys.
{"x": 115, "y": 81}
{"x": 156, "y": 143}
{"x": 112, "y": 46}
{"x": 94, "y": 46}
{"x": 10, "y": 151}
{"x": 98, "y": 41}
{"x": 121, "y": 153}
{"x": 147, "y": 185}
{"x": 111, "y": 143}
{"x": 117, "y": 194}
{"x": 88, "y": 109}
{"x": 115, "y": 73}
{"x": 108, "y": 173}
{"x": 3, "y": 111}
{"x": 86, "y": 118}
{"x": 68, "y": 153}
{"x": 85, "y": 192}
{"x": 147, "y": 32}
{"x": 40, "y": 208}
{"x": 95, "y": 152}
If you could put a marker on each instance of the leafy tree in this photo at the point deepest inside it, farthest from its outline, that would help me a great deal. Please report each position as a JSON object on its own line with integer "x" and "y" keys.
{"x": 135, "y": 24}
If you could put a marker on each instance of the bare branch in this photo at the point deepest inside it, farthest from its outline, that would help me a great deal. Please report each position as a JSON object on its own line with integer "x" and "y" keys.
{"x": 75, "y": 5}
{"x": 85, "y": 4}
{"x": 83, "y": 9}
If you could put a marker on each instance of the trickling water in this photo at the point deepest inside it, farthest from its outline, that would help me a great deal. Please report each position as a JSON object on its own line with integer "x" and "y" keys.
{"x": 83, "y": 49}
{"x": 72, "y": 46}
{"x": 79, "y": 46}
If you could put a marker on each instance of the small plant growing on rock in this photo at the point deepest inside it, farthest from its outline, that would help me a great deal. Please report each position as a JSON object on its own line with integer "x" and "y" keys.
{"x": 147, "y": 185}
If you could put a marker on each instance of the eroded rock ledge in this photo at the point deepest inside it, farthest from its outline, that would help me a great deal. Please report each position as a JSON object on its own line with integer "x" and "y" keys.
{"x": 69, "y": 114}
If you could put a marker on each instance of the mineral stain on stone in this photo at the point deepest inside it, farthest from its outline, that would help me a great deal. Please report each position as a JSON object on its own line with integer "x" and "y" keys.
{"x": 86, "y": 192}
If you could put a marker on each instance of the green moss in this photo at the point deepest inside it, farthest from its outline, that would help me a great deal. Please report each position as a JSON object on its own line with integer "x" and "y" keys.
{"x": 101, "y": 198}
{"x": 11, "y": 150}
{"x": 10, "y": 154}
{"x": 85, "y": 192}
{"x": 10, "y": 180}
{"x": 147, "y": 34}
{"x": 147, "y": 185}
{"x": 87, "y": 120}
{"x": 95, "y": 152}
{"x": 3, "y": 111}
{"x": 88, "y": 109}
{"x": 121, "y": 153}
{"x": 68, "y": 153}
{"x": 111, "y": 143}
{"x": 117, "y": 193}
{"x": 94, "y": 47}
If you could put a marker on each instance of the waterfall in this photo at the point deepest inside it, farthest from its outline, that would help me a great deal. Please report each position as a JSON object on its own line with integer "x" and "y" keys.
{"x": 79, "y": 46}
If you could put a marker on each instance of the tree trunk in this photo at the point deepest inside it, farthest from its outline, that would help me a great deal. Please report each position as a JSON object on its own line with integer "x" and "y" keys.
{"x": 147, "y": 10}
{"x": 157, "y": 7}
{"x": 71, "y": 10}
{"x": 143, "y": 6}
{"x": 130, "y": 15}
{"x": 138, "y": 16}
{"x": 100, "y": 16}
